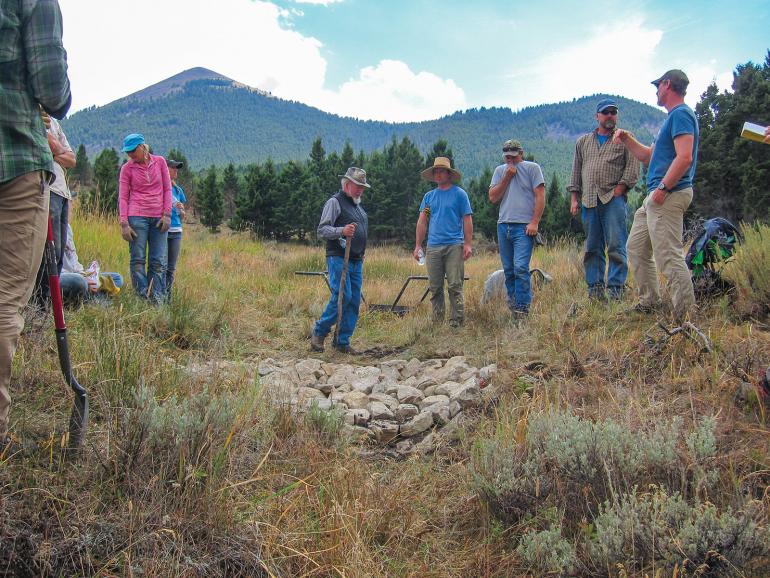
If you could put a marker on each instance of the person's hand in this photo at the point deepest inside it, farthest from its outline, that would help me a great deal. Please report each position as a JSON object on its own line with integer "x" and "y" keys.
{"x": 467, "y": 251}
{"x": 659, "y": 196}
{"x": 510, "y": 171}
{"x": 127, "y": 232}
{"x": 93, "y": 285}
{"x": 46, "y": 118}
{"x": 620, "y": 136}
{"x": 164, "y": 223}
{"x": 531, "y": 229}
{"x": 767, "y": 134}
{"x": 573, "y": 207}
{"x": 619, "y": 191}
{"x": 349, "y": 230}
{"x": 416, "y": 252}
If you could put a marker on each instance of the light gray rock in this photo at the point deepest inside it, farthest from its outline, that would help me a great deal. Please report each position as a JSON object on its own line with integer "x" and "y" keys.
{"x": 469, "y": 374}
{"x": 426, "y": 380}
{"x": 390, "y": 372}
{"x": 329, "y": 368}
{"x": 308, "y": 370}
{"x": 405, "y": 447}
{"x": 427, "y": 445}
{"x": 432, "y": 364}
{"x": 433, "y": 399}
{"x": 397, "y": 363}
{"x": 388, "y": 400}
{"x": 467, "y": 396}
{"x": 406, "y": 394}
{"x": 321, "y": 403}
{"x": 358, "y": 417}
{"x": 379, "y": 410}
{"x": 267, "y": 365}
{"x": 410, "y": 381}
{"x": 367, "y": 371}
{"x": 356, "y": 399}
{"x": 412, "y": 368}
{"x": 365, "y": 383}
{"x": 423, "y": 421}
{"x": 324, "y": 388}
{"x": 440, "y": 412}
{"x": 447, "y": 388}
{"x": 304, "y": 393}
{"x": 354, "y": 433}
{"x": 343, "y": 375}
{"x": 491, "y": 393}
{"x": 456, "y": 361}
{"x": 405, "y": 412}
{"x": 488, "y": 371}
{"x": 430, "y": 390}
{"x": 391, "y": 387}
{"x": 384, "y": 431}
{"x": 454, "y": 408}
{"x": 278, "y": 379}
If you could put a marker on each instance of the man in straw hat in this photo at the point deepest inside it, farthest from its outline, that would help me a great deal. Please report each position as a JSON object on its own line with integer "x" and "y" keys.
{"x": 519, "y": 187}
{"x": 448, "y": 211}
{"x": 655, "y": 241}
{"x": 342, "y": 221}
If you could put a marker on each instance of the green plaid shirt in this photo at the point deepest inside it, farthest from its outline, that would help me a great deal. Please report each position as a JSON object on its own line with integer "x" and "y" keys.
{"x": 596, "y": 170}
{"x": 33, "y": 71}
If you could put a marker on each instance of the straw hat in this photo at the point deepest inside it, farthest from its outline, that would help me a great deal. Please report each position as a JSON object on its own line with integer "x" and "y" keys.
{"x": 441, "y": 163}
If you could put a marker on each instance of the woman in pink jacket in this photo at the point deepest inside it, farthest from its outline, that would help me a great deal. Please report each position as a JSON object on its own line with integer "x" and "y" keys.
{"x": 144, "y": 204}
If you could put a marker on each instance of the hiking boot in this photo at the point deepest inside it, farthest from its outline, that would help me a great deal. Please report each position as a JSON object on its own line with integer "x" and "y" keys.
{"x": 455, "y": 324}
{"x": 317, "y": 342}
{"x": 346, "y": 349}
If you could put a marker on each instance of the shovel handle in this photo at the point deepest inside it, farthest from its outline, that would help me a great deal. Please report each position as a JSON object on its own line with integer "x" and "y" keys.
{"x": 341, "y": 291}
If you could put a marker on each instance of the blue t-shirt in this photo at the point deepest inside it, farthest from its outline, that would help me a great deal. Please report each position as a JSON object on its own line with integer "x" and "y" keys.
{"x": 177, "y": 195}
{"x": 602, "y": 138}
{"x": 681, "y": 120}
{"x": 446, "y": 210}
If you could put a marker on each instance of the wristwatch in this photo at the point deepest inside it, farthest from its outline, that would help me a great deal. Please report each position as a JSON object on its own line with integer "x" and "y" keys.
{"x": 662, "y": 187}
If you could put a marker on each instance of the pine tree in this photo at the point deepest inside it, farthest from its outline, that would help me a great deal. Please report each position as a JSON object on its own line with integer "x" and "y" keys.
{"x": 211, "y": 205}
{"x": 106, "y": 179}
{"x": 231, "y": 188}
{"x": 556, "y": 216}
{"x": 83, "y": 170}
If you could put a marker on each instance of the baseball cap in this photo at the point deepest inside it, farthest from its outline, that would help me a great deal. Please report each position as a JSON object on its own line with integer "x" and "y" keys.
{"x": 606, "y": 103}
{"x": 677, "y": 78}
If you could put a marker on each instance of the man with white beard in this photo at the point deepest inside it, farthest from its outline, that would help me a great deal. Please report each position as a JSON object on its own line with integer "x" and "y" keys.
{"x": 343, "y": 221}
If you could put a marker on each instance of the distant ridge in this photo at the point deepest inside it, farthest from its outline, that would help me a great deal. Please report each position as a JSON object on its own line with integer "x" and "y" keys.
{"x": 216, "y": 120}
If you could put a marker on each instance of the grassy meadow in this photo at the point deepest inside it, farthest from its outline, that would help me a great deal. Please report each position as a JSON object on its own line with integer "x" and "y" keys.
{"x": 612, "y": 450}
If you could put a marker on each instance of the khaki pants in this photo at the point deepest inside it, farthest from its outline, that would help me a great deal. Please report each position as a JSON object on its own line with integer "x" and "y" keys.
{"x": 655, "y": 244}
{"x": 23, "y": 228}
{"x": 446, "y": 261}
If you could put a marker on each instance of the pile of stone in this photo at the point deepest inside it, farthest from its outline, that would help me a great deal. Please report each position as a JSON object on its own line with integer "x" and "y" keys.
{"x": 391, "y": 402}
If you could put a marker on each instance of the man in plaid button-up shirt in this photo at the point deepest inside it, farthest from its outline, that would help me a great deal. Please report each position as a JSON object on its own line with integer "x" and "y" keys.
{"x": 602, "y": 174}
{"x": 33, "y": 74}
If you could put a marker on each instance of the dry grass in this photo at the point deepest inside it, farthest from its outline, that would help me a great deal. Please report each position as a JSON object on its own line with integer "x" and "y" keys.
{"x": 252, "y": 491}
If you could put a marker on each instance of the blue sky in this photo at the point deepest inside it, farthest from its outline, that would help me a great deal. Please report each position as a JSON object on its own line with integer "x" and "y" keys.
{"x": 402, "y": 60}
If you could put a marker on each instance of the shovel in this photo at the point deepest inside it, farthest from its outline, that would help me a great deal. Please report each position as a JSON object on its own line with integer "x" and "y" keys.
{"x": 79, "y": 416}
{"x": 341, "y": 293}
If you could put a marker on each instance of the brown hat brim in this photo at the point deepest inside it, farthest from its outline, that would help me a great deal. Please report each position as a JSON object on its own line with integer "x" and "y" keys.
{"x": 427, "y": 174}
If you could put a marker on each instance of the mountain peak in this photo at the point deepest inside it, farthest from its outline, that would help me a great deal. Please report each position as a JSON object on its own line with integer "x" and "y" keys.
{"x": 177, "y": 82}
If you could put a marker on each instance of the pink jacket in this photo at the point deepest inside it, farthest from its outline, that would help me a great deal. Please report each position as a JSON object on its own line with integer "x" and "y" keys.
{"x": 145, "y": 189}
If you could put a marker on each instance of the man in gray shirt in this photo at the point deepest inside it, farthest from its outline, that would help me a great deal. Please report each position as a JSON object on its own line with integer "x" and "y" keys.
{"x": 519, "y": 187}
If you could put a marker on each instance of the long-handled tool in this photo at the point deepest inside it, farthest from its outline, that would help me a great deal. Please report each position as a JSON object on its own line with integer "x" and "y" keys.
{"x": 79, "y": 416}
{"x": 341, "y": 295}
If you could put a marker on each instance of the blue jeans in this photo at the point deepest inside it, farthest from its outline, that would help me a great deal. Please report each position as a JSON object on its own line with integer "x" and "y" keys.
{"x": 351, "y": 300}
{"x": 150, "y": 244}
{"x": 605, "y": 228}
{"x": 515, "y": 253}
{"x": 174, "y": 248}
{"x": 74, "y": 288}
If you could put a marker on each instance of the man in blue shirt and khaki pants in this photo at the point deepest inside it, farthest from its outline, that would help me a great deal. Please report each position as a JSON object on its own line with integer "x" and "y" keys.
{"x": 655, "y": 241}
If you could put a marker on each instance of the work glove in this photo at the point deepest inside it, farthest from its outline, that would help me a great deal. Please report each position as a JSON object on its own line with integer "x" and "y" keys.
{"x": 164, "y": 223}
{"x": 127, "y": 232}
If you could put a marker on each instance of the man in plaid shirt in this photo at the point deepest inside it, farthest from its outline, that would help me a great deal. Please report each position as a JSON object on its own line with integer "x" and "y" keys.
{"x": 602, "y": 174}
{"x": 33, "y": 75}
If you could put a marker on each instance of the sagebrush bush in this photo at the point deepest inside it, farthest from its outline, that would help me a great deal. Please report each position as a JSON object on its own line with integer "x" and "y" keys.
{"x": 548, "y": 552}
{"x": 749, "y": 271}
{"x": 583, "y": 463}
{"x": 641, "y": 529}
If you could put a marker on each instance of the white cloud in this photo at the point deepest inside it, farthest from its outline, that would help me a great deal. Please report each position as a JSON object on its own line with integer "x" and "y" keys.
{"x": 115, "y": 49}
{"x": 321, "y": 2}
{"x": 391, "y": 91}
{"x": 622, "y": 59}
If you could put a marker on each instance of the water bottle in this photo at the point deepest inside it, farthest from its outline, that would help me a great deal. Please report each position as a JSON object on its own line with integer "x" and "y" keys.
{"x": 421, "y": 257}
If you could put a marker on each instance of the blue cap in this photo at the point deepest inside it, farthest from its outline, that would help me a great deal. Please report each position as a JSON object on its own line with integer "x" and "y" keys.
{"x": 606, "y": 103}
{"x": 131, "y": 142}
